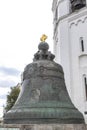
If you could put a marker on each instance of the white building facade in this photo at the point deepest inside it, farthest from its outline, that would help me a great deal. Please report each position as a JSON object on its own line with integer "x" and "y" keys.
{"x": 70, "y": 47}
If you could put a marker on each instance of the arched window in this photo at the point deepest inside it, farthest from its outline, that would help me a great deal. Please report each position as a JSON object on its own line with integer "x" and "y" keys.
{"x": 77, "y": 4}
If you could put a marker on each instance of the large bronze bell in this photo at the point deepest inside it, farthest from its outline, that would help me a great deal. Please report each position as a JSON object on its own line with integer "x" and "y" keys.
{"x": 43, "y": 98}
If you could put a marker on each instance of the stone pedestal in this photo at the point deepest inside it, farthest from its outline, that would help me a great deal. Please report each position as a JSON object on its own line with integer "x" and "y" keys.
{"x": 54, "y": 127}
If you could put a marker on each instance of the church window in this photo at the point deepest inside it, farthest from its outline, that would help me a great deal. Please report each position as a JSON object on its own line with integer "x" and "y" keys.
{"x": 77, "y": 4}
{"x": 82, "y": 44}
{"x": 85, "y": 84}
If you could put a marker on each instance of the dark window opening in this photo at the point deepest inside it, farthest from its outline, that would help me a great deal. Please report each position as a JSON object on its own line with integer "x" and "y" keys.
{"x": 82, "y": 45}
{"x": 77, "y": 4}
{"x": 85, "y": 83}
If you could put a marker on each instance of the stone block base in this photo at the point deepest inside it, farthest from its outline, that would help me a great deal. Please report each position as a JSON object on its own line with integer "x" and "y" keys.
{"x": 55, "y": 127}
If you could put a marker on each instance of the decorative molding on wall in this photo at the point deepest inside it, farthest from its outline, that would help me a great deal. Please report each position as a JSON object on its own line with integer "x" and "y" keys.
{"x": 76, "y": 22}
{"x": 72, "y": 18}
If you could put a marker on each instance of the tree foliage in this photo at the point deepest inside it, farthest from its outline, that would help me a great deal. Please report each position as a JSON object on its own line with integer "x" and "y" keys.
{"x": 12, "y": 97}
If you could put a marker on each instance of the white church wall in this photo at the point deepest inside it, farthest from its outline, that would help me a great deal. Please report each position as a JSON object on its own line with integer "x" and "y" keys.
{"x": 70, "y": 30}
{"x": 63, "y": 8}
{"x": 74, "y": 47}
{"x": 72, "y": 59}
{"x": 64, "y": 53}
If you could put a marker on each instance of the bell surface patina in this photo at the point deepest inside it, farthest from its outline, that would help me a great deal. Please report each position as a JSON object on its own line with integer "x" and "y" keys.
{"x": 43, "y": 98}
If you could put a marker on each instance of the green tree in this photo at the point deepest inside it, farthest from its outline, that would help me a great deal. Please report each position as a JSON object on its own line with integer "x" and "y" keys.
{"x": 12, "y": 97}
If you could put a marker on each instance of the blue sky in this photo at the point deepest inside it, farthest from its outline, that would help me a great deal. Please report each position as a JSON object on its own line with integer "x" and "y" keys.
{"x": 22, "y": 22}
{"x": 8, "y": 77}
